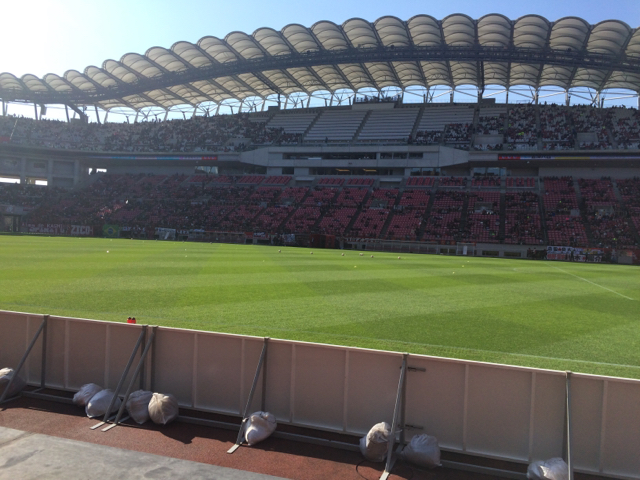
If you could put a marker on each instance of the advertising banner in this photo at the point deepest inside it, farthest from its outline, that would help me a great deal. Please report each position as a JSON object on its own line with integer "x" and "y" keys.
{"x": 59, "y": 229}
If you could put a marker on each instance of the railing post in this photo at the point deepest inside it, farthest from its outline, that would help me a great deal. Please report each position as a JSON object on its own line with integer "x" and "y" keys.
{"x": 261, "y": 364}
{"x": 567, "y": 425}
{"x": 141, "y": 363}
{"x": 397, "y": 412}
{"x": 107, "y": 414}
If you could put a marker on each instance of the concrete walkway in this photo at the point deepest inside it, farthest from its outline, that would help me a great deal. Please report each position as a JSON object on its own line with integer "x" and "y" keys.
{"x": 27, "y": 456}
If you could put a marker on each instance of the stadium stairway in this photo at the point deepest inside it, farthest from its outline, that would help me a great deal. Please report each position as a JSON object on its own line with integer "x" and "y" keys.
{"x": 538, "y": 126}
{"x": 427, "y": 214}
{"x": 572, "y": 126}
{"x": 583, "y": 212}
{"x": 364, "y": 122}
{"x": 464, "y": 216}
{"x": 392, "y": 214}
{"x": 503, "y": 215}
{"x": 313, "y": 122}
{"x": 359, "y": 210}
{"x": 414, "y": 130}
{"x": 543, "y": 211}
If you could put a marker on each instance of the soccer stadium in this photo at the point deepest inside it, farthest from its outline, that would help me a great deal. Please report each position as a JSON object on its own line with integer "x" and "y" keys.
{"x": 432, "y": 223}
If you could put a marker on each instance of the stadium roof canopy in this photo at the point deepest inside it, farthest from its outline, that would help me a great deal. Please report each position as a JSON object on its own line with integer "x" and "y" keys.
{"x": 421, "y": 51}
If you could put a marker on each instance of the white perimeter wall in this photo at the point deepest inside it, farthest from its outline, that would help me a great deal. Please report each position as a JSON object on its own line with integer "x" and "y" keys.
{"x": 499, "y": 411}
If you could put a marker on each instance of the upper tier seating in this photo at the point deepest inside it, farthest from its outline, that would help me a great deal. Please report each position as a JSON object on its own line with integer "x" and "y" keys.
{"x": 384, "y": 125}
{"x": 336, "y": 125}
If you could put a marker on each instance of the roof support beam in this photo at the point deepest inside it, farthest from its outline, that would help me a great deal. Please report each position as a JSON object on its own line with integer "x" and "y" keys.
{"x": 575, "y": 68}
{"x": 335, "y": 66}
{"x": 575, "y": 59}
{"x": 447, "y": 62}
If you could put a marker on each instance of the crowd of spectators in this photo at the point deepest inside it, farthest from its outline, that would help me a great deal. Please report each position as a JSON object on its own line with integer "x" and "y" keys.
{"x": 522, "y": 224}
{"x": 522, "y": 125}
{"x": 450, "y": 212}
{"x": 428, "y": 137}
{"x": 491, "y": 125}
{"x": 562, "y": 216}
{"x": 197, "y": 134}
{"x": 560, "y": 128}
{"x": 608, "y": 223}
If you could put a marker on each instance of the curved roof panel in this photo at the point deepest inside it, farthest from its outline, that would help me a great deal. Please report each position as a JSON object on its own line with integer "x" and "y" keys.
{"x": 422, "y": 50}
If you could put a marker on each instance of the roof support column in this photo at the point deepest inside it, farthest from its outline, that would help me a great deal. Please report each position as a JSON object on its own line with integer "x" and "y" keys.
{"x": 97, "y": 114}
{"x": 451, "y": 95}
{"x": 567, "y": 97}
{"x": 537, "y": 95}
{"x": 4, "y": 109}
{"x": 264, "y": 102}
{"x": 195, "y": 109}
{"x": 35, "y": 110}
{"x": 308, "y": 101}
{"x": 331, "y": 102}
{"x": 166, "y": 114}
{"x": 507, "y": 99}
{"x": 286, "y": 101}
{"x": 218, "y": 109}
{"x": 135, "y": 120}
{"x": 240, "y": 107}
{"x": 106, "y": 116}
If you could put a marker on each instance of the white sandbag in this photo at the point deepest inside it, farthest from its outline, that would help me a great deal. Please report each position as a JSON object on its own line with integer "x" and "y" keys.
{"x": 97, "y": 406}
{"x": 86, "y": 393}
{"x": 423, "y": 451}
{"x": 138, "y": 405}
{"x": 553, "y": 469}
{"x": 163, "y": 408}
{"x": 374, "y": 444}
{"x": 6, "y": 374}
{"x": 259, "y": 427}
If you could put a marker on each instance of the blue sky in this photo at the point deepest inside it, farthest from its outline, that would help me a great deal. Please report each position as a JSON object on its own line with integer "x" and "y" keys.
{"x": 52, "y": 36}
{"x": 41, "y": 36}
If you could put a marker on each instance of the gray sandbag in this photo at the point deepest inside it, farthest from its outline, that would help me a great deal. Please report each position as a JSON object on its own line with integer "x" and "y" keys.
{"x": 86, "y": 393}
{"x": 552, "y": 469}
{"x": 423, "y": 451}
{"x": 138, "y": 405}
{"x": 97, "y": 406}
{"x": 259, "y": 427}
{"x": 163, "y": 408}
{"x": 6, "y": 374}
{"x": 373, "y": 445}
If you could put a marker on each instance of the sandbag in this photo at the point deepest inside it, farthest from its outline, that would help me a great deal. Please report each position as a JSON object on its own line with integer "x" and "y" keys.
{"x": 97, "y": 406}
{"x": 86, "y": 393}
{"x": 259, "y": 427}
{"x": 423, "y": 451}
{"x": 163, "y": 408}
{"x": 6, "y": 374}
{"x": 138, "y": 405}
{"x": 553, "y": 469}
{"x": 374, "y": 444}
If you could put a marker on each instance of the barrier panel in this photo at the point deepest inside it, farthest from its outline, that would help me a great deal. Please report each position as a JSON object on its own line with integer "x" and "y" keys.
{"x": 497, "y": 411}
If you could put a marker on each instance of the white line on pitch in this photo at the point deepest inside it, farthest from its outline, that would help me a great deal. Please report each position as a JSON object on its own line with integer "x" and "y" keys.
{"x": 592, "y": 283}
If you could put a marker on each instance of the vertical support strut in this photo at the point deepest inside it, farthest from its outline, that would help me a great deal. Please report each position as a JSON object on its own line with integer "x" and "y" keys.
{"x": 397, "y": 413}
{"x": 43, "y": 365}
{"x": 567, "y": 424}
{"x": 141, "y": 363}
{"x": 261, "y": 368}
{"x": 107, "y": 414}
{"x": 24, "y": 358}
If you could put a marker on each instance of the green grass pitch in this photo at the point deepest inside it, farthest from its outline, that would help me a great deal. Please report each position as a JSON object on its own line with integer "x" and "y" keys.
{"x": 584, "y": 318}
